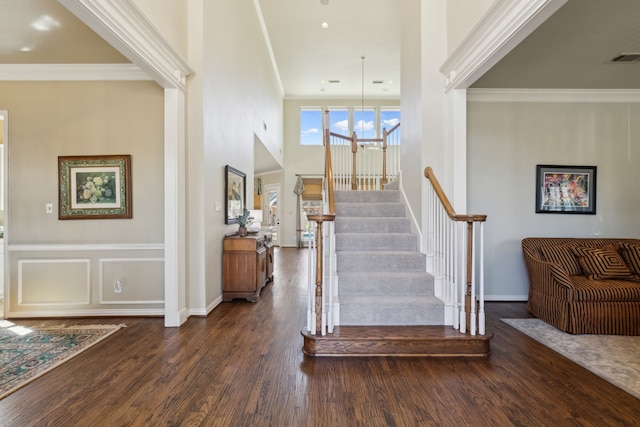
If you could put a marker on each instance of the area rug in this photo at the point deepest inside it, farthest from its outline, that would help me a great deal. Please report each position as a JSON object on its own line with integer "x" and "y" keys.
{"x": 611, "y": 357}
{"x": 28, "y": 353}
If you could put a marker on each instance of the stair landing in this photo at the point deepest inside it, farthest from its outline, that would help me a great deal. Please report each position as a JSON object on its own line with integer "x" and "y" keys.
{"x": 399, "y": 341}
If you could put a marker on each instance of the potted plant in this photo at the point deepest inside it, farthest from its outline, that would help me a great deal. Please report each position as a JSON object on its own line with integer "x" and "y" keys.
{"x": 242, "y": 221}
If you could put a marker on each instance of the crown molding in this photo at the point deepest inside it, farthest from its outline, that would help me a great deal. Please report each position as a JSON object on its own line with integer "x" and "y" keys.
{"x": 554, "y": 95}
{"x": 123, "y": 25}
{"x": 68, "y": 72}
{"x": 504, "y": 26}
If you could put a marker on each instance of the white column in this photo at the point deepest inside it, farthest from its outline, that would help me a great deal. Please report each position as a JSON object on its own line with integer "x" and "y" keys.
{"x": 176, "y": 312}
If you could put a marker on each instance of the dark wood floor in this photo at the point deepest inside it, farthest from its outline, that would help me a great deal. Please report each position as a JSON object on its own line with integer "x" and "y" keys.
{"x": 243, "y": 366}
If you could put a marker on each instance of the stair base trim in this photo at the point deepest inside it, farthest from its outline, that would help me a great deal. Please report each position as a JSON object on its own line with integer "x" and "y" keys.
{"x": 397, "y": 341}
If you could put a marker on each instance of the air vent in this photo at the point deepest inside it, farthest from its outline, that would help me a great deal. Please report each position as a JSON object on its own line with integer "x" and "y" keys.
{"x": 626, "y": 58}
{"x": 334, "y": 81}
{"x": 377, "y": 82}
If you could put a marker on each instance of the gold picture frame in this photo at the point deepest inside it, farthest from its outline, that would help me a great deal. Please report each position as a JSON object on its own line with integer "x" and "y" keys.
{"x": 95, "y": 187}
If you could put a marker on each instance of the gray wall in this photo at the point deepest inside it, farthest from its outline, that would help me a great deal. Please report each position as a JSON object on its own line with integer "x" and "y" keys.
{"x": 506, "y": 140}
{"x": 68, "y": 267}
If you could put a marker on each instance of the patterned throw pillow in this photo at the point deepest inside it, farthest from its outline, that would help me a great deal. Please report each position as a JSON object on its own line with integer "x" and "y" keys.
{"x": 631, "y": 255}
{"x": 563, "y": 255}
{"x": 602, "y": 263}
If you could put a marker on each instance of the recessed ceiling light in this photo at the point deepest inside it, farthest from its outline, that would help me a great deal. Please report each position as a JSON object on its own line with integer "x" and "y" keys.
{"x": 45, "y": 23}
{"x": 325, "y": 25}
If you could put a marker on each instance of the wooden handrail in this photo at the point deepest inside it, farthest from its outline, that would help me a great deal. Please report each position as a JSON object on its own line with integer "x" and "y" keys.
{"x": 328, "y": 168}
{"x": 428, "y": 173}
{"x": 470, "y": 300}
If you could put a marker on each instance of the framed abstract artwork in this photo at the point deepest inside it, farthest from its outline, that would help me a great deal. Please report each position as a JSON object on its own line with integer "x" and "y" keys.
{"x": 566, "y": 189}
{"x": 95, "y": 187}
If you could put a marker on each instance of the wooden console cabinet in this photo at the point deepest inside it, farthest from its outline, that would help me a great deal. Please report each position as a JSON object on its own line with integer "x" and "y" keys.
{"x": 247, "y": 265}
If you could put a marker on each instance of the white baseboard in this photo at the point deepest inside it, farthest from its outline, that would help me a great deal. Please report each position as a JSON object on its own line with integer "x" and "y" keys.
{"x": 87, "y": 313}
{"x": 205, "y": 312}
{"x": 514, "y": 298}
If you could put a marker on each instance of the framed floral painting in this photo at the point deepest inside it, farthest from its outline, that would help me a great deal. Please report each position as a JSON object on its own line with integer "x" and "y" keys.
{"x": 95, "y": 187}
{"x": 566, "y": 189}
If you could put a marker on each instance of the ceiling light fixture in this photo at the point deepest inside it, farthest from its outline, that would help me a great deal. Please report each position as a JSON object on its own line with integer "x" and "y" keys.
{"x": 325, "y": 25}
{"x": 362, "y": 101}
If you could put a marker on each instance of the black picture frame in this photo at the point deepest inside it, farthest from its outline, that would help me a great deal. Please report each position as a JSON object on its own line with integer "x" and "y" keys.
{"x": 566, "y": 189}
{"x": 235, "y": 183}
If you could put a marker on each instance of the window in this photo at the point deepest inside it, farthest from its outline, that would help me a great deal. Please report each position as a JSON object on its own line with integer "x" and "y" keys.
{"x": 364, "y": 122}
{"x": 339, "y": 120}
{"x": 311, "y": 126}
{"x": 389, "y": 117}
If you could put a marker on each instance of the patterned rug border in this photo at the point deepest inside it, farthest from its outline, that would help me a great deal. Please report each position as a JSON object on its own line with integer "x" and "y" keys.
{"x": 620, "y": 368}
{"x": 111, "y": 329}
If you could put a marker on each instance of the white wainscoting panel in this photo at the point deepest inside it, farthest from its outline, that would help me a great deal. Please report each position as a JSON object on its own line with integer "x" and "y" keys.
{"x": 142, "y": 280}
{"x": 54, "y": 281}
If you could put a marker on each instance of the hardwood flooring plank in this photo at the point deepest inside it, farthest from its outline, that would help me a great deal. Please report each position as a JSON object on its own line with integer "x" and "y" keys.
{"x": 243, "y": 366}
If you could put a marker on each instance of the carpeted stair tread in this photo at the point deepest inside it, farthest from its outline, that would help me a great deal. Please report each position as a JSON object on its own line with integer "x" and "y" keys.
{"x": 386, "y": 310}
{"x": 380, "y": 261}
{"x": 397, "y": 283}
{"x": 370, "y": 209}
{"x": 372, "y": 225}
{"x": 376, "y": 241}
{"x": 383, "y": 196}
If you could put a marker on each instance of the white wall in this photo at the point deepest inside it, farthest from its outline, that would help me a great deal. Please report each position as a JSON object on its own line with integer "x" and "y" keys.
{"x": 506, "y": 140}
{"x": 233, "y": 94}
{"x": 63, "y": 268}
{"x": 462, "y": 16}
{"x": 170, "y": 18}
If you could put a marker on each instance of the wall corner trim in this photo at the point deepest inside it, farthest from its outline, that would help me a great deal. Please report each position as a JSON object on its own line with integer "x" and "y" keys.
{"x": 123, "y": 25}
{"x": 503, "y": 27}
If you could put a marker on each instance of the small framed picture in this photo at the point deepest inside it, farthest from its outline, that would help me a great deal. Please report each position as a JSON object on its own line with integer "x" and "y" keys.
{"x": 95, "y": 187}
{"x": 566, "y": 189}
{"x": 235, "y": 183}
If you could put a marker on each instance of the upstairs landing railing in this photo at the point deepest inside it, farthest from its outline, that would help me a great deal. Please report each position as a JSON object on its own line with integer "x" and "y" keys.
{"x": 365, "y": 164}
{"x": 453, "y": 238}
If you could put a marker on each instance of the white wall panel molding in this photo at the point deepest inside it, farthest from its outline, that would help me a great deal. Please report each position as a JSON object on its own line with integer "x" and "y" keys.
{"x": 60, "y": 289}
{"x": 554, "y": 95}
{"x": 71, "y": 72}
{"x": 123, "y": 25}
{"x": 87, "y": 247}
{"x": 504, "y": 26}
{"x": 104, "y": 285}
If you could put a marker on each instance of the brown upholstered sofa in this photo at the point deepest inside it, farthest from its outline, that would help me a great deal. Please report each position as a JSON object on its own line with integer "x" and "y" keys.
{"x": 585, "y": 285}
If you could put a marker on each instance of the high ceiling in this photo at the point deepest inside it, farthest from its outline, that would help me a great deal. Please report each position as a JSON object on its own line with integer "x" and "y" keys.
{"x": 569, "y": 50}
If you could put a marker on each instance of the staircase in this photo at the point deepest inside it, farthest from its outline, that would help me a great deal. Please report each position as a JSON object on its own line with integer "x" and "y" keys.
{"x": 381, "y": 274}
{"x": 387, "y": 301}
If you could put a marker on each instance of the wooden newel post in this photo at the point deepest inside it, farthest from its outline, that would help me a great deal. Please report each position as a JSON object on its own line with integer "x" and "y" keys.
{"x": 384, "y": 158}
{"x": 319, "y": 219}
{"x": 469, "y": 299}
{"x": 354, "y": 151}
